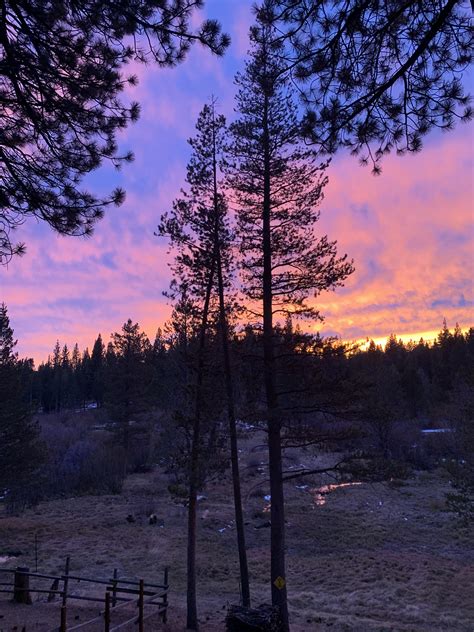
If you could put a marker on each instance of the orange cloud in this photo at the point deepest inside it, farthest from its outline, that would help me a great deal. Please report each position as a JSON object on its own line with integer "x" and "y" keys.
{"x": 409, "y": 231}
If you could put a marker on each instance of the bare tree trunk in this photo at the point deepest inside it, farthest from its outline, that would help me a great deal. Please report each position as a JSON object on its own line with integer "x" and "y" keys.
{"x": 234, "y": 453}
{"x": 192, "y": 619}
{"x": 277, "y": 546}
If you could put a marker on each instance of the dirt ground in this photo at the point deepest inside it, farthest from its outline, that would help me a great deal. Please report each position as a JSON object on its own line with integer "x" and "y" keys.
{"x": 371, "y": 557}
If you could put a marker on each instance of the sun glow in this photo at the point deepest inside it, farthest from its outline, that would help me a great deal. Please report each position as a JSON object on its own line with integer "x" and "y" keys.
{"x": 427, "y": 336}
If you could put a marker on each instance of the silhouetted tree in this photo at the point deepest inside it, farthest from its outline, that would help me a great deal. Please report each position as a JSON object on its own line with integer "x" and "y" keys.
{"x": 277, "y": 185}
{"x": 85, "y": 377}
{"x": 376, "y": 76}
{"x": 61, "y": 77}
{"x": 97, "y": 359}
{"x": 57, "y": 376}
{"x": 198, "y": 227}
{"x": 128, "y": 381}
{"x": 20, "y": 453}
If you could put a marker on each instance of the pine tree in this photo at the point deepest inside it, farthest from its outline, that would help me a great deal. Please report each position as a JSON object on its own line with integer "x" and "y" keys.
{"x": 61, "y": 72}
{"x": 158, "y": 361}
{"x": 277, "y": 185}
{"x": 128, "y": 382}
{"x": 199, "y": 228}
{"x": 20, "y": 453}
{"x": 376, "y": 76}
{"x": 85, "y": 377}
{"x": 97, "y": 359}
{"x": 76, "y": 376}
{"x": 7, "y": 342}
{"x": 57, "y": 377}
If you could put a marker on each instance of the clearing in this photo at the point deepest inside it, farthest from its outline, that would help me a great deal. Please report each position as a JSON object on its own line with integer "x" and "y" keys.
{"x": 370, "y": 557}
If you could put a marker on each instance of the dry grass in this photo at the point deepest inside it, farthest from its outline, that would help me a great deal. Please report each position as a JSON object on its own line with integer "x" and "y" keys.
{"x": 374, "y": 557}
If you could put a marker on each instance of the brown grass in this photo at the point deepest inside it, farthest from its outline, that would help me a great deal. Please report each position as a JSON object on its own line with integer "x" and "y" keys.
{"x": 374, "y": 557}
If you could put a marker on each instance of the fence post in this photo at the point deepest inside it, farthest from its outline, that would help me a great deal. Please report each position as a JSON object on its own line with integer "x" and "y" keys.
{"x": 165, "y": 597}
{"x": 66, "y": 581}
{"x": 63, "y": 626}
{"x": 114, "y": 588}
{"x": 54, "y": 586}
{"x": 21, "y": 585}
{"x": 140, "y": 607}
{"x": 36, "y": 552}
{"x": 107, "y": 612}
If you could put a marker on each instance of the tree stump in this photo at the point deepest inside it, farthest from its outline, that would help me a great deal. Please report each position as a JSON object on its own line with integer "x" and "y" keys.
{"x": 265, "y": 618}
{"x": 21, "y": 588}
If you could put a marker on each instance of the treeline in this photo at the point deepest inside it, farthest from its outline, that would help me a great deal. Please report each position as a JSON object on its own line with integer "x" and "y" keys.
{"x": 333, "y": 395}
{"x": 75, "y": 380}
{"x": 411, "y": 379}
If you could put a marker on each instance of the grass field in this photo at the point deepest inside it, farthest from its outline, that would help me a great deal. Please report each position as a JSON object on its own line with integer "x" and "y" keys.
{"x": 373, "y": 557}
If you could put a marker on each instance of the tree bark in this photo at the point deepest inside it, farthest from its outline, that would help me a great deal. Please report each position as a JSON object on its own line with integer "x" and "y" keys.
{"x": 234, "y": 453}
{"x": 191, "y": 618}
{"x": 277, "y": 546}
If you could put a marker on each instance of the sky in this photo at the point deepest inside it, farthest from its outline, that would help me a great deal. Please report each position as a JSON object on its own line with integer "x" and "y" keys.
{"x": 409, "y": 231}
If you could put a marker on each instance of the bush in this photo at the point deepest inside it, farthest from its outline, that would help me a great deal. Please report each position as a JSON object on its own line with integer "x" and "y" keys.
{"x": 79, "y": 460}
{"x": 178, "y": 490}
{"x": 88, "y": 468}
{"x": 375, "y": 469}
{"x": 461, "y": 501}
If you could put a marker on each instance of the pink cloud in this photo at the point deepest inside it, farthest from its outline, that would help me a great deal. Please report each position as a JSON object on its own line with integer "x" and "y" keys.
{"x": 409, "y": 231}
{"x": 413, "y": 225}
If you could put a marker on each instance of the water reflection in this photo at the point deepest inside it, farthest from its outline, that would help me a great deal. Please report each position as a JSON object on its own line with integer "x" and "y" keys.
{"x": 319, "y": 493}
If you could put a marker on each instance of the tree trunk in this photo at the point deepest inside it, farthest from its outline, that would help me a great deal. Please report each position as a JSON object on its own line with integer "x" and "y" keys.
{"x": 277, "y": 546}
{"x": 191, "y": 619}
{"x": 234, "y": 453}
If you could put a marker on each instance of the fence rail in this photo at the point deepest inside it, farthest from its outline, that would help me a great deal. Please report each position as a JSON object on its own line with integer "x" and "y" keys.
{"x": 139, "y": 594}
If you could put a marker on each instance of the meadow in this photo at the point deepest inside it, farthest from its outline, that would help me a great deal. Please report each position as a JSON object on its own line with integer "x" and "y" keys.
{"x": 383, "y": 556}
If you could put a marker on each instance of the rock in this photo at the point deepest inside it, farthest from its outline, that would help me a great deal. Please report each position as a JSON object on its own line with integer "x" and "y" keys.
{"x": 265, "y": 618}
{"x": 264, "y": 525}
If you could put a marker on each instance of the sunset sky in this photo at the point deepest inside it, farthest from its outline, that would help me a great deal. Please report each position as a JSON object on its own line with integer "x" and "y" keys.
{"x": 408, "y": 231}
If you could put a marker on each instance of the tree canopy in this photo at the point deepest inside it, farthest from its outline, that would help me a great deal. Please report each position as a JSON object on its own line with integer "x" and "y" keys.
{"x": 20, "y": 451}
{"x": 61, "y": 79}
{"x": 375, "y": 75}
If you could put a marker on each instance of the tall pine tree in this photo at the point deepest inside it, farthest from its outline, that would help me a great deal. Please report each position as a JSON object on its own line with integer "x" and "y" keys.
{"x": 199, "y": 228}
{"x": 128, "y": 382}
{"x": 20, "y": 453}
{"x": 277, "y": 185}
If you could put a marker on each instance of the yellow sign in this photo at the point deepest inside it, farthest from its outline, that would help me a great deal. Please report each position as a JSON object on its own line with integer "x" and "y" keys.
{"x": 279, "y": 583}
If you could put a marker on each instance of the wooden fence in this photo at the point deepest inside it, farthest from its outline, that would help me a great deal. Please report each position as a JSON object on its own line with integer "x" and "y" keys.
{"x": 119, "y": 593}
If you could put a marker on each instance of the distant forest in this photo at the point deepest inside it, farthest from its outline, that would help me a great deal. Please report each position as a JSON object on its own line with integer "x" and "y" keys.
{"x": 370, "y": 404}
{"x": 411, "y": 380}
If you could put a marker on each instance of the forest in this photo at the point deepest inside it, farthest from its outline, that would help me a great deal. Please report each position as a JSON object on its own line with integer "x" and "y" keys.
{"x": 372, "y": 402}
{"x": 241, "y": 362}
